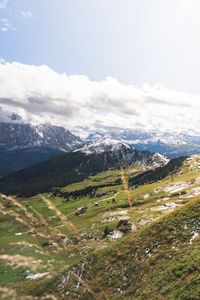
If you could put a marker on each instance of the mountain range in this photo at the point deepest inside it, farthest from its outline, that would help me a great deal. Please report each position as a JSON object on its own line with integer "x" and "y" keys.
{"x": 17, "y": 134}
{"x": 23, "y": 144}
{"x": 77, "y": 165}
{"x": 172, "y": 144}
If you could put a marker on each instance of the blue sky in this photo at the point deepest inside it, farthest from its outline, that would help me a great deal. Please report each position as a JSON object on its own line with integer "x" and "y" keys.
{"x": 136, "y": 41}
{"x": 151, "y": 47}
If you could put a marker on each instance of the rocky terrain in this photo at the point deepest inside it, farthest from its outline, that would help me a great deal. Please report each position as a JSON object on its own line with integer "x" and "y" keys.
{"x": 18, "y": 134}
{"x": 23, "y": 144}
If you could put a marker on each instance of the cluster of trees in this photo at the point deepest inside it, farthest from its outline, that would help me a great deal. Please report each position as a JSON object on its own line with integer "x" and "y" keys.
{"x": 87, "y": 191}
{"x": 159, "y": 173}
{"x": 73, "y": 167}
{"x": 57, "y": 171}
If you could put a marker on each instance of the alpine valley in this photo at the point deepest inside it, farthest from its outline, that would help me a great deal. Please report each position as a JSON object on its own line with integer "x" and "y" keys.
{"x": 100, "y": 217}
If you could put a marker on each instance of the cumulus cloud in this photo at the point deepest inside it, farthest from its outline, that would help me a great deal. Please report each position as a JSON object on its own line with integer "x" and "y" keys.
{"x": 40, "y": 94}
{"x": 6, "y": 25}
{"x": 26, "y": 14}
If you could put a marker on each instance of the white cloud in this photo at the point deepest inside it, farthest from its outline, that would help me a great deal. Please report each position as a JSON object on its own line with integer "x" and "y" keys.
{"x": 26, "y": 14}
{"x": 6, "y": 25}
{"x": 40, "y": 94}
{"x": 9, "y": 13}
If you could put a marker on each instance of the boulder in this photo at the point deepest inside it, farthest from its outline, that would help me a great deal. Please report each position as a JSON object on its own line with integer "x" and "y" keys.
{"x": 81, "y": 210}
{"x": 124, "y": 226}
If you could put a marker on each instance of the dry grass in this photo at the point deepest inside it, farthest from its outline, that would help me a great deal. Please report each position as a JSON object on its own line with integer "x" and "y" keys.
{"x": 22, "y": 208}
{"x": 21, "y": 261}
{"x": 7, "y": 293}
{"x": 125, "y": 185}
{"x": 87, "y": 287}
{"x": 126, "y": 188}
{"x": 63, "y": 217}
{"x": 32, "y": 223}
{"x": 11, "y": 213}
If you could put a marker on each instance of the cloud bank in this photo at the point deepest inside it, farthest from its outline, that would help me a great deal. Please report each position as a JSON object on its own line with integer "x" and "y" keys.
{"x": 39, "y": 94}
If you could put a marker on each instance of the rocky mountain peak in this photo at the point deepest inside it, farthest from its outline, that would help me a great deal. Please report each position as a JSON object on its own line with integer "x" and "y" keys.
{"x": 15, "y": 117}
{"x": 106, "y": 144}
{"x": 16, "y": 134}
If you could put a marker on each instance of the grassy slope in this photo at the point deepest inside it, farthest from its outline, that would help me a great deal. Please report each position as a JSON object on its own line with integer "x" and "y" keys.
{"x": 157, "y": 262}
{"x": 124, "y": 269}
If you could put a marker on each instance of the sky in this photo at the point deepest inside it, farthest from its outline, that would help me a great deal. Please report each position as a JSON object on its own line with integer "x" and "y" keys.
{"x": 127, "y": 63}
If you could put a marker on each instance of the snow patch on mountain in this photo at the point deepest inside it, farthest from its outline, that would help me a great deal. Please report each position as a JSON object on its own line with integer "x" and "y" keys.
{"x": 134, "y": 136}
{"x": 124, "y": 153}
{"x": 16, "y": 134}
{"x": 103, "y": 145}
{"x": 160, "y": 159}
